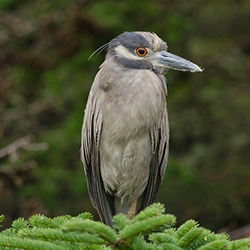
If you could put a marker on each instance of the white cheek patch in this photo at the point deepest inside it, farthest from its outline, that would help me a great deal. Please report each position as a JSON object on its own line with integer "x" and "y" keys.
{"x": 122, "y": 52}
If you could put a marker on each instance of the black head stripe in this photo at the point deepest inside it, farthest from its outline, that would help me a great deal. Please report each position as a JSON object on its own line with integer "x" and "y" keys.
{"x": 130, "y": 40}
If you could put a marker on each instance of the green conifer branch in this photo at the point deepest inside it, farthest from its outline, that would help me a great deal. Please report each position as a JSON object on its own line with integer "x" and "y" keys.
{"x": 241, "y": 244}
{"x": 217, "y": 244}
{"x": 185, "y": 228}
{"x": 85, "y": 216}
{"x": 8, "y": 232}
{"x": 146, "y": 226}
{"x": 92, "y": 227}
{"x": 120, "y": 221}
{"x": 151, "y": 211}
{"x": 1, "y": 218}
{"x": 195, "y": 234}
{"x": 170, "y": 246}
{"x": 151, "y": 229}
{"x": 19, "y": 223}
{"x": 57, "y": 234}
{"x": 41, "y": 221}
{"x": 162, "y": 238}
{"x": 27, "y": 244}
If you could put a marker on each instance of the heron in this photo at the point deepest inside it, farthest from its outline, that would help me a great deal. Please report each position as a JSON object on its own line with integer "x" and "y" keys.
{"x": 125, "y": 132}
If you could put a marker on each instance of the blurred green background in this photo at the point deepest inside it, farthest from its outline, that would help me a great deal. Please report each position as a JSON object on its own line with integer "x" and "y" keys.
{"x": 44, "y": 83}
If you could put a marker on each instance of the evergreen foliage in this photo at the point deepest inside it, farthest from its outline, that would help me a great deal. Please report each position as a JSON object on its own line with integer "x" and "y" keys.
{"x": 150, "y": 229}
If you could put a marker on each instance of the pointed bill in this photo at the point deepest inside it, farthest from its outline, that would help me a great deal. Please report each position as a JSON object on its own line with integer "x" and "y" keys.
{"x": 164, "y": 59}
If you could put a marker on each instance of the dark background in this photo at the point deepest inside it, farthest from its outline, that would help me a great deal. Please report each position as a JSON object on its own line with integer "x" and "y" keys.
{"x": 44, "y": 83}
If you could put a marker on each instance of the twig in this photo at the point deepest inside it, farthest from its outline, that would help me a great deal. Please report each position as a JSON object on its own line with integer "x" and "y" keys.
{"x": 23, "y": 111}
{"x": 12, "y": 148}
{"x": 239, "y": 233}
{"x": 25, "y": 143}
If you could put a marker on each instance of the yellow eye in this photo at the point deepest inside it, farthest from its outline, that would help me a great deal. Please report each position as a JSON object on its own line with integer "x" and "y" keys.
{"x": 141, "y": 51}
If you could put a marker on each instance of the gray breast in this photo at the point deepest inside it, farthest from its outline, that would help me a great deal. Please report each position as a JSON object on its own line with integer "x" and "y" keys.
{"x": 129, "y": 113}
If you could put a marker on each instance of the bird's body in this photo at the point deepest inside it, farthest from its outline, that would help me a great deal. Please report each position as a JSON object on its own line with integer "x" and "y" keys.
{"x": 125, "y": 131}
{"x": 120, "y": 151}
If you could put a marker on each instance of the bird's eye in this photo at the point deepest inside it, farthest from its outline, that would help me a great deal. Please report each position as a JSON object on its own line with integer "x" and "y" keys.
{"x": 141, "y": 51}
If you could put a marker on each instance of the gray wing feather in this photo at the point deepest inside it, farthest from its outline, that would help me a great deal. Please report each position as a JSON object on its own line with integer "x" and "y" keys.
{"x": 159, "y": 141}
{"x": 91, "y": 131}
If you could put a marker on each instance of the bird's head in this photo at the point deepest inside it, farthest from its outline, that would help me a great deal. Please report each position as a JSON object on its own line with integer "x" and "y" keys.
{"x": 145, "y": 50}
